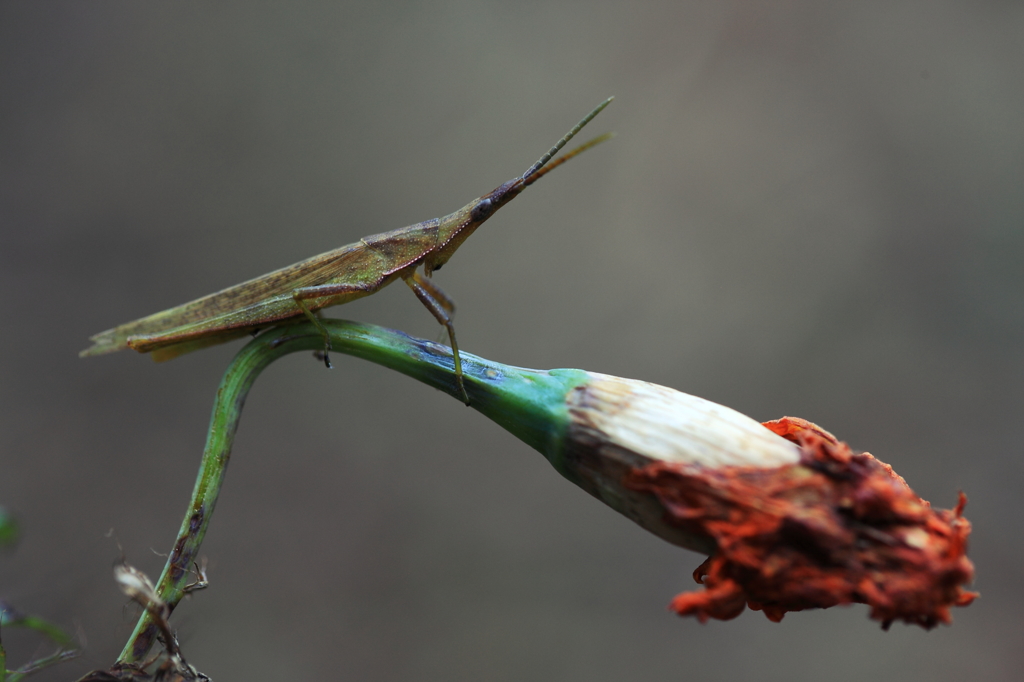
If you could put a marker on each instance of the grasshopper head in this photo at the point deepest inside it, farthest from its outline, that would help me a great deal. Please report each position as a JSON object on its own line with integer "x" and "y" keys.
{"x": 455, "y": 228}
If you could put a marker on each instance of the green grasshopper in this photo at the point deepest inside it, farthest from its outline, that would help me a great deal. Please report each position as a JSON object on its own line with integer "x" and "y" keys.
{"x": 332, "y": 278}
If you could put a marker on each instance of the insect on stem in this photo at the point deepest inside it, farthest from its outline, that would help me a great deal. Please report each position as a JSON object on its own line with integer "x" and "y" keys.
{"x": 333, "y": 278}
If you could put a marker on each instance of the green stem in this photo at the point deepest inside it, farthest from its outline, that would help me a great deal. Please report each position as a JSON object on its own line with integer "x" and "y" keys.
{"x": 12, "y": 618}
{"x": 8, "y": 528}
{"x": 528, "y": 403}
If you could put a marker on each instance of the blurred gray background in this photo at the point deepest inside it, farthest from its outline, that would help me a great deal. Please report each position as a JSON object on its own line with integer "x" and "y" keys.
{"x": 810, "y": 209}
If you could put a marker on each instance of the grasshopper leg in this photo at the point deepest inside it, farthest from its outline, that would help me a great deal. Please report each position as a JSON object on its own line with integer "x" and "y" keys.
{"x": 442, "y": 308}
{"x": 443, "y": 299}
{"x": 300, "y": 295}
{"x": 316, "y": 321}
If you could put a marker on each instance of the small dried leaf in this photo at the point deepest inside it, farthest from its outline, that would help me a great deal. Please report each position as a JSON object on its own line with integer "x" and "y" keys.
{"x": 138, "y": 587}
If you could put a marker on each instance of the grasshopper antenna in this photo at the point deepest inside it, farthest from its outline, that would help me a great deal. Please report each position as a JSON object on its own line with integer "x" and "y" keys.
{"x": 565, "y": 157}
{"x": 561, "y": 143}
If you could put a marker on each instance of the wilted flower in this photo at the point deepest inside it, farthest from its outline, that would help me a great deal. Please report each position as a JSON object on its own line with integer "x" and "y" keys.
{"x": 791, "y": 517}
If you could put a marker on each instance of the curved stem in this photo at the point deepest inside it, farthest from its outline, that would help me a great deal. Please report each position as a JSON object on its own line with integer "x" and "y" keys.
{"x": 529, "y": 403}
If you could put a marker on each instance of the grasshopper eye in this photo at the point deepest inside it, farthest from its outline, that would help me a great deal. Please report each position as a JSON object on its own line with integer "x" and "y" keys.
{"x": 482, "y": 211}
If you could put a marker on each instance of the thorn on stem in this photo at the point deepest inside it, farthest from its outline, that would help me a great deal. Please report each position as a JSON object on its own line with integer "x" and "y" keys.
{"x": 201, "y": 582}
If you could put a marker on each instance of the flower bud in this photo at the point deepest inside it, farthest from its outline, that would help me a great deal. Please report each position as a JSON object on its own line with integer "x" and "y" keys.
{"x": 791, "y": 517}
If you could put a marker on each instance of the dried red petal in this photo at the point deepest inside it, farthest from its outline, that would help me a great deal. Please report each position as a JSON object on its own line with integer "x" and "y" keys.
{"x": 790, "y": 426}
{"x": 837, "y": 528}
{"x": 724, "y": 601}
